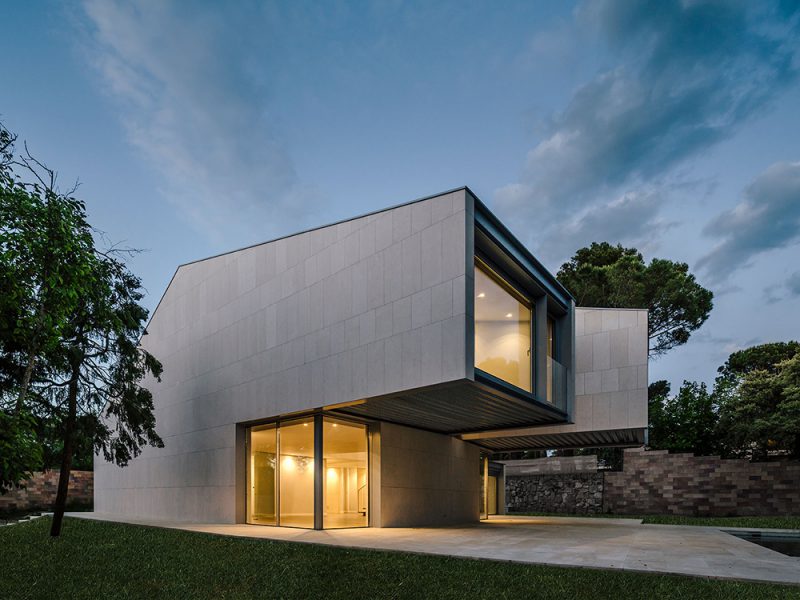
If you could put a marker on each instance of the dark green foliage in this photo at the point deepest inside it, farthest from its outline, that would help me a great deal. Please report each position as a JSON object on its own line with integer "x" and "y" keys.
{"x": 608, "y": 276}
{"x": 46, "y": 257}
{"x": 20, "y": 452}
{"x": 109, "y": 561}
{"x": 763, "y": 357}
{"x": 50, "y": 434}
{"x": 760, "y": 402}
{"x": 70, "y": 323}
{"x": 685, "y": 422}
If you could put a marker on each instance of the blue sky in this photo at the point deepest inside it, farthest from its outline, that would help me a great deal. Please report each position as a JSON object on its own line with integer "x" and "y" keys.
{"x": 200, "y": 127}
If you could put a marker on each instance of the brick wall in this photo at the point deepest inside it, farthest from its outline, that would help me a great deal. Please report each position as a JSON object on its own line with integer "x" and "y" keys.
{"x": 656, "y": 482}
{"x": 39, "y": 492}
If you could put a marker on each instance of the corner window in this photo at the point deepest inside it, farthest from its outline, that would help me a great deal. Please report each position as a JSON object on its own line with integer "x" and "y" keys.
{"x": 502, "y": 330}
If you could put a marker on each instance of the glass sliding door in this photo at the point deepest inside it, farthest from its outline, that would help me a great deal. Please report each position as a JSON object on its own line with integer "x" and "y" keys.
{"x": 296, "y": 468}
{"x": 262, "y": 475}
{"x": 282, "y": 479}
{"x": 346, "y": 479}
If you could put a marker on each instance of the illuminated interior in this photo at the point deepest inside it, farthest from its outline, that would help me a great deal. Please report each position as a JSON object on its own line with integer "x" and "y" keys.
{"x": 502, "y": 330}
{"x": 280, "y": 474}
{"x": 346, "y": 490}
{"x": 261, "y": 475}
{"x": 297, "y": 473}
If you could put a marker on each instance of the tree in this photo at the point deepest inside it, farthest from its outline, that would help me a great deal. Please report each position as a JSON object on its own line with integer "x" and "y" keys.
{"x": 685, "y": 422}
{"x": 46, "y": 248}
{"x": 99, "y": 369}
{"x": 608, "y": 276}
{"x": 70, "y": 322}
{"x": 758, "y": 391}
{"x": 20, "y": 452}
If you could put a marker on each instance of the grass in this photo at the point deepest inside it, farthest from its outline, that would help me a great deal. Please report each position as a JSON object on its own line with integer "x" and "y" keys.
{"x": 109, "y": 560}
{"x": 788, "y": 522}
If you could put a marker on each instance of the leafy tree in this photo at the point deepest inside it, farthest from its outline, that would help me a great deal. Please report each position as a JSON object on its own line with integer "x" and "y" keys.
{"x": 99, "y": 369}
{"x": 20, "y": 452}
{"x": 685, "y": 422}
{"x": 608, "y": 276}
{"x": 46, "y": 248}
{"x": 760, "y": 400}
{"x": 70, "y": 322}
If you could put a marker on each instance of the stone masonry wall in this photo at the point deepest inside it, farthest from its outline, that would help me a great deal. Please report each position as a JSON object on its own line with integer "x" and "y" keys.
{"x": 656, "y": 482}
{"x": 39, "y": 492}
{"x": 575, "y": 493}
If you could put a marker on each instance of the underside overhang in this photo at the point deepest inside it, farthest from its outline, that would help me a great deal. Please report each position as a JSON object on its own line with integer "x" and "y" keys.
{"x": 455, "y": 407}
{"x": 514, "y": 441}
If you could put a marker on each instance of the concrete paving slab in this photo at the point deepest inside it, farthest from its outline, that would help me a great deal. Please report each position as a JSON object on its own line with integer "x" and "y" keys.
{"x": 625, "y": 544}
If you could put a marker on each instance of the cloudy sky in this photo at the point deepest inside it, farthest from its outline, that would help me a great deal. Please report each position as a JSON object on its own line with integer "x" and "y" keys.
{"x": 196, "y": 128}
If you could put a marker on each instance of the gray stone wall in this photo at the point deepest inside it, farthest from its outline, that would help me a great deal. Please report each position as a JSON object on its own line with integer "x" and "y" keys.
{"x": 573, "y": 493}
{"x": 551, "y": 464}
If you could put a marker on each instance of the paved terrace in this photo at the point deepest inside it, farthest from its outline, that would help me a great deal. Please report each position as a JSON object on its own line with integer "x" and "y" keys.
{"x": 574, "y": 542}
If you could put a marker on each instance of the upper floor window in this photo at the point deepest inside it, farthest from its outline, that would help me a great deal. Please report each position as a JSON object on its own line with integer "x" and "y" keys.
{"x": 502, "y": 330}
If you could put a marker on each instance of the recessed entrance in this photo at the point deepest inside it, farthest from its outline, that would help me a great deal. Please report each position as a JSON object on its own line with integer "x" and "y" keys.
{"x": 283, "y": 474}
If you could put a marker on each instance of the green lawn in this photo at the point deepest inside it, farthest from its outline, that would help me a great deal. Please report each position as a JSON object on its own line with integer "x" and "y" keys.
{"x": 107, "y": 560}
{"x": 789, "y": 522}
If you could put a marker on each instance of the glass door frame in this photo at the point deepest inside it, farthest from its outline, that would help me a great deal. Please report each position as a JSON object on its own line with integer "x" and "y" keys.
{"x": 319, "y": 474}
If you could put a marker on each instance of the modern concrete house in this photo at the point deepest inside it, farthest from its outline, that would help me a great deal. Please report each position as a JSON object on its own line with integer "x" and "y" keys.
{"x": 362, "y": 374}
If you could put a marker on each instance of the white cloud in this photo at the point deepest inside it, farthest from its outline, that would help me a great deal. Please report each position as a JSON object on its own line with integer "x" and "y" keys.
{"x": 688, "y": 75}
{"x": 768, "y": 218}
{"x": 180, "y": 78}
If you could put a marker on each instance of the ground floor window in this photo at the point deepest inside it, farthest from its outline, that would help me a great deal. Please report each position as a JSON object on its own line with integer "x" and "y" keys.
{"x": 283, "y": 475}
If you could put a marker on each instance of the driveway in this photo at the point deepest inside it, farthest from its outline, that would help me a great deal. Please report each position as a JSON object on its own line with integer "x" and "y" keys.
{"x": 597, "y": 543}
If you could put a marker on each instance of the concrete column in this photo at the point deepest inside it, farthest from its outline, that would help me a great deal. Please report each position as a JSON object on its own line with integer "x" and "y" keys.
{"x": 540, "y": 349}
{"x": 485, "y": 510}
{"x": 374, "y": 475}
{"x": 501, "y": 492}
{"x": 240, "y": 474}
{"x": 567, "y": 356}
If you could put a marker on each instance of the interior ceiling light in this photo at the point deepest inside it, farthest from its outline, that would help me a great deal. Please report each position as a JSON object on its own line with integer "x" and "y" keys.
{"x": 481, "y": 295}
{"x": 509, "y": 315}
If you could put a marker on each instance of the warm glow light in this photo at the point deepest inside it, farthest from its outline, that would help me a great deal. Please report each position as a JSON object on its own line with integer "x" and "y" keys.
{"x": 509, "y": 315}
{"x": 305, "y": 424}
{"x": 332, "y": 474}
{"x": 288, "y": 463}
{"x": 481, "y": 295}
{"x": 335, "y": 425}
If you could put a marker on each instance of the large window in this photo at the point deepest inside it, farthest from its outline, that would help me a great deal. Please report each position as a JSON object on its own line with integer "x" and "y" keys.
{"x": 262, "y": 475}
{"x": 346, "y": 490}
{"x": 297, "y": 473}
{"x": 502, "y": 330}
{"x": 281, "y": 475}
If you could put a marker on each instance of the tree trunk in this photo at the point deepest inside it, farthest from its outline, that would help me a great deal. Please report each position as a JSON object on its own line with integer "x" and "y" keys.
{"x": 26, "y": 381}
{"x": 66, "y": 458}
